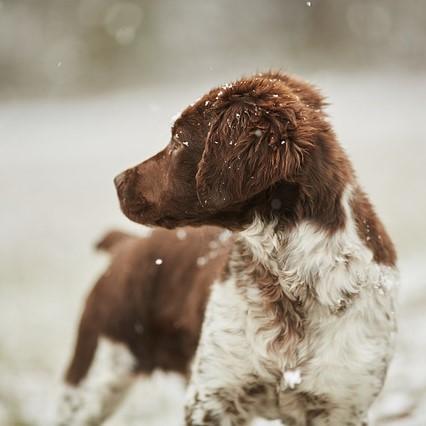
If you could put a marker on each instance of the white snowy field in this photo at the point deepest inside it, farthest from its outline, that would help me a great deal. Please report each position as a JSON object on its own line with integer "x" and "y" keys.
{"x": 57, "y": 161}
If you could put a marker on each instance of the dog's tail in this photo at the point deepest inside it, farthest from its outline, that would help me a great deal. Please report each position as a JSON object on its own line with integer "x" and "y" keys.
{"x": 111, "y": 239}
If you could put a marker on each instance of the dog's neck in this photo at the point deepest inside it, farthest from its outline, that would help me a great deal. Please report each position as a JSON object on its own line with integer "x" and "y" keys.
{"x": 295, "y": 256}
{"x": 295, "y": 277}
{"x": 285, "y": 273}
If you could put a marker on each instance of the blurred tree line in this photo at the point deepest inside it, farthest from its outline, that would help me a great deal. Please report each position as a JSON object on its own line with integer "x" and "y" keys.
{"x": 63, "y": 46}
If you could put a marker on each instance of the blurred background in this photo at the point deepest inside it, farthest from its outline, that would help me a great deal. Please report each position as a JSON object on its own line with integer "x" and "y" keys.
{"x": 88, "y": 88}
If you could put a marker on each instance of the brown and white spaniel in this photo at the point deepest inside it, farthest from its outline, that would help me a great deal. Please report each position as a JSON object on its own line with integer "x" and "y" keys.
{"x": 299, "y": 325}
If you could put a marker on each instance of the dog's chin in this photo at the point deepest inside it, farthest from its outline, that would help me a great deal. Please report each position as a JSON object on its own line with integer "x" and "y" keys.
{"x": 167, "y": 222}
{"x": 149, "y": 218}
{"x": 170, "y": 222}
{"x": 135, "y": 214}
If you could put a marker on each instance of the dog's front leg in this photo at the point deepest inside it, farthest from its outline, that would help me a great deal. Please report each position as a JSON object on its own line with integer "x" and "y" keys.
{"x": 218, "y": 393}
{"x": 213, "y": 408}
{"x": 94, "y": 399}
{"x": 339, "y": 416}
{"x": 222, "y": 380}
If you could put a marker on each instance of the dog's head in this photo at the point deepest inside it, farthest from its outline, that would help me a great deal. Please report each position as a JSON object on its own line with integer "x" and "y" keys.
{"x": 242, "y": 149}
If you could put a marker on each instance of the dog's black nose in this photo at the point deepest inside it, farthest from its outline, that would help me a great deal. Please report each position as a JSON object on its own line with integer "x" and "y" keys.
{"x": 119, "y": 179}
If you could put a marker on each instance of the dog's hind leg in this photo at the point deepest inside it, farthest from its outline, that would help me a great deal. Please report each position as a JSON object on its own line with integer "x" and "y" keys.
{"x": 101, "y": 370}
{"x": 71, "y": 397}
{"x": 93, "y": 399}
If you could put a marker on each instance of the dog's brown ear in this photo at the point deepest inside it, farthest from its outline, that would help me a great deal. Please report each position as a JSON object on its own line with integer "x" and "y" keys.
{"x": 252, "y": 144}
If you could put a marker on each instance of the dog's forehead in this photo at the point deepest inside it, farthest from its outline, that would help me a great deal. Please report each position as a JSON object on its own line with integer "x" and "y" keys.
{"x": 198, "y": 113}
{"x": 193, "y": 118}
{"x": 187, "y": 122}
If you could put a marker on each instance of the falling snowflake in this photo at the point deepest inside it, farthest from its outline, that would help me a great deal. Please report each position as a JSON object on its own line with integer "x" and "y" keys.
{"x": 292, "y": 378}
{"x": 225, "y": 235}
{"x": 201, "y": 261}
{"x": 181, "y": 234}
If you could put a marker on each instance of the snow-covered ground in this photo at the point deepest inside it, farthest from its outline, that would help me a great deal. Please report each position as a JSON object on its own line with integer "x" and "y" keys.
{"x": 57, "y": 161}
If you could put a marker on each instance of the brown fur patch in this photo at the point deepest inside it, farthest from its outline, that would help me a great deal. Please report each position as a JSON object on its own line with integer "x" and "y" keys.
{"x": 286, "y": 314}
{"x": 371, "y": 230}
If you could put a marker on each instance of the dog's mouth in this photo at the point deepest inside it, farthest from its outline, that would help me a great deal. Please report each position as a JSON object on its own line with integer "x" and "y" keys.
{"x": 142, "y": 217}
{"x": 143, "y": 213}
{"x": 135, "y": 211}
{"x": 132, "y": 210}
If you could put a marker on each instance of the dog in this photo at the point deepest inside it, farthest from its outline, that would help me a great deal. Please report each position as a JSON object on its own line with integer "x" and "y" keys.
{"x": 300, "y": 327}
{"x": 143, "y": 314}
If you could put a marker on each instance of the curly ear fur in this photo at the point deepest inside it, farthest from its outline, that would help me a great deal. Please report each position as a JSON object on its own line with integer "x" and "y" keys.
{"x": 261, "y": 133}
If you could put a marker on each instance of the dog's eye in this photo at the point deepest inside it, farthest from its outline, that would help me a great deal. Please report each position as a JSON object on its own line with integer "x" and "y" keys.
{"x": 177, "y": 144}
{"x": 174, "y": 145}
